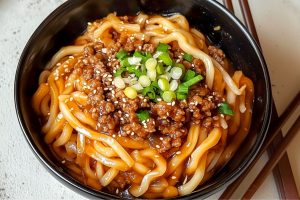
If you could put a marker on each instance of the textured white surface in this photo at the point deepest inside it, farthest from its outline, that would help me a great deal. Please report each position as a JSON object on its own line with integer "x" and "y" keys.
{"x": 21, "y": 174}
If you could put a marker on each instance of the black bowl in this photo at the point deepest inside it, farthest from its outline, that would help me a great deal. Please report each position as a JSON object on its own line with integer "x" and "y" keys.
{"x": 69, "y": 20}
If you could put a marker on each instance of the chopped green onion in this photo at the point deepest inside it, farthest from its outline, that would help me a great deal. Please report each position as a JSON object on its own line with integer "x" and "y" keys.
{"x": 168, "y": 96}
{"x": 188, "y": 57}
{"x": 119, "y": 82}
{"x": 138, "y": 54}
{"x": 121, "y": 54}
{"x": 165, "y": 57}
{"x": 149, "y": 91}
{"x": 151, "y": 74}
{"x": 193, "y": 81}
{"x": 181, "y": 96}
{"x": 189, "y": 75}
{"x": 160, "y": 68}
{"x": 163, "y": 84}
{"x": 119, "y": 72}
{"x": 180, "y": 66}
{"x": 151, "y": 64}
{"x": 183, "y": 89}
{"x": 144, "y": 81}
{"x": 162, "y": 47}
{"x": 147, "y": 56}
{"x": 176, "y": 73}
{"x": 143, "y": 115}
{"x": 225, "y": 109}
{"x": 130, "y": 92}
{"x": 173, "y": 85}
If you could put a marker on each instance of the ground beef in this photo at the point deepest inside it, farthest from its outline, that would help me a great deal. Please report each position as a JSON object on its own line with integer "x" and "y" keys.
{"x": 217, "y": 54}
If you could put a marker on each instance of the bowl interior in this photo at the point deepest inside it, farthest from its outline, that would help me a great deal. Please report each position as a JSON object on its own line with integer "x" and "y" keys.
{"x": 69, "y": 20}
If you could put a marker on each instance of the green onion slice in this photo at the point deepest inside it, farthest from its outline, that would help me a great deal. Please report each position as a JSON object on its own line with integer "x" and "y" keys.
{"x": 183, "y": 89}
{"x": 193, "y": 81}
{"x": 119, "y": 71}
{"x": 121, "y": 54}
{"x": 189, "y": 75}
{"x": 162, "y": 47}
{"x": 168, "y": 96}
{"x": 165, "y": 57}
{"x": 188, "y": 57}
{"x": 143, "y": 115}
{"x": 181, "y": 96}
{"x": 225, "y": 109}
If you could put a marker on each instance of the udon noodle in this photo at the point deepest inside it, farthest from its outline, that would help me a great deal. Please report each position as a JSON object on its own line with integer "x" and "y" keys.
{"x": 121, "y": 124}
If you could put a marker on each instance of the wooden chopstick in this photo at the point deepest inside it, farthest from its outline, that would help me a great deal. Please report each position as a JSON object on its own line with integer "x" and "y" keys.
{"x": 228, "y": 5}
{"x": 274, "y": 132}
{"x": 276, "y": 156}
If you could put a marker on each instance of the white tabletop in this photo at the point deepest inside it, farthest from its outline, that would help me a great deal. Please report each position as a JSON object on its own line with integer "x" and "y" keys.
{"x": 21, "y": 174}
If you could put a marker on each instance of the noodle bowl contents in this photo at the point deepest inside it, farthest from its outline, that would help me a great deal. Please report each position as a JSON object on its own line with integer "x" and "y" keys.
{"x": 143, "y": 106}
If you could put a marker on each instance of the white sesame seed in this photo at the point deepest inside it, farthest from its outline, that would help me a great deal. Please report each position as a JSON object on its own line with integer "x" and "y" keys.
{"x": 71, "y": 98}
{"x": 156, "y": 156}
{"x": 173, "y": 103}
{"x": 173, "y": 177}
{"x": 161, "y": 138}
{"x": 132, "y": 133}
{"x": 157, "y": 146}
{"x": 63, "y": 161}
{"x": 105, "y": 75}
{"x": 114, "y": 135}
{"x": 104, "y": 50}
{"x": 178, "y": 152}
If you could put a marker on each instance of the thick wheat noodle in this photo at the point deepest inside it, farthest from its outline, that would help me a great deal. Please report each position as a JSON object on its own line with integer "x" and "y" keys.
{"x": 230, "y": 95}
{"x": 180, "y": 20}
{"x": 158, "y": 171}
{"x": 109, "y": 176}
{"x": 92, "y": 134}
{"x": 87, "y": 169}
{"x": 132, "y": 144}
{"x": 99, "y": 170}
{"x": 53, "y": 104}
{"x": 38, "y": 96}
{"x": 212, "y": 139}
{"x": 158, "y": 186}
{"x": 55, "y": 130}
{"x": 44, "y": 107}
{"x": 44, "y": 76}
{"x": 186, "y": 150}
{"x": 64, "y": 136}
{"x": 196, "y": 179}
{"x": 109, "y": 162}
{"x": 80, "y": 143}
{"x": 106, "y": 151}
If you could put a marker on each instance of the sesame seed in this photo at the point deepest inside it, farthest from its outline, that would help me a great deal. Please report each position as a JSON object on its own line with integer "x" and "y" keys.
{"x": 60, "y": 116}
{"x": 105, "y": 88}
{"x": 156, "y": 156}
{"x": 124, "y": 100}
{"x": 56, "y": 78}
{"x": 122, "y": 119}
{"x": 48, "y": 113}
{"x": 161, "y": 138}
{"x": 116, "y": 102}
{"x": 71, "y": 98}
{"x": 105, "y": 75}
{"x": 157, "y": 146}
{"x": 132, "y": 133}
{"x": 63, "y": 161}
{"x": 117, "y": 191}
{"x": 109, "y": 79}
{"x": 58, "y": 64}
{"x": 173, "y": 103}
{"x": 178, "y": 152}
{"x": 222, "y": 115}
{"x": 104, "y": 50}
{"x": 173, "y": 177}
{"x": 114, "y": 135}
{"x": 169, "y": 104}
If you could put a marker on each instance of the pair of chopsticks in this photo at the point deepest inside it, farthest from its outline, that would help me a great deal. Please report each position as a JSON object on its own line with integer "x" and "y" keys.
{"x": 276, "y": 155}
